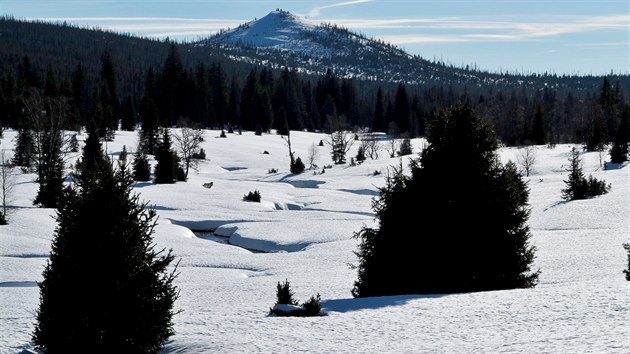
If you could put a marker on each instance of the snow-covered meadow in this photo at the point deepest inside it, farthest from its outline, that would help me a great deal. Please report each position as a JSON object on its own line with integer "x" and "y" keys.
{"x": 304, "y": 227}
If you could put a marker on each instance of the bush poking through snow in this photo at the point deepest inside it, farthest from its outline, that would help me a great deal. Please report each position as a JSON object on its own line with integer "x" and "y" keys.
{"x": 297, "y": 166}
{"x": 252, "y": 196}
{"x": 313, "y": 306}
{"x": 284, "y": 294}
{"x": 201, "y": 155}
{"x": 405, "y": 148}
{"x": 287, "y": 306}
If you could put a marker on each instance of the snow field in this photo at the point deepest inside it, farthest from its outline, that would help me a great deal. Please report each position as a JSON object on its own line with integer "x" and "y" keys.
{"x": 305, "y": 224}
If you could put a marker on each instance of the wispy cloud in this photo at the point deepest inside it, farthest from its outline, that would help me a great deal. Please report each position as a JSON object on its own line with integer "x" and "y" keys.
{"x": 397, "y": 31}
{"x": 155, "y": 27}
{"x": 455, "y": 29}
{"x": 316, "y": 11}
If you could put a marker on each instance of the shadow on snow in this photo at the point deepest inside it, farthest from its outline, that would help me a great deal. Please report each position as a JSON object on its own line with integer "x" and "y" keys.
{"x": 372, "y": 303}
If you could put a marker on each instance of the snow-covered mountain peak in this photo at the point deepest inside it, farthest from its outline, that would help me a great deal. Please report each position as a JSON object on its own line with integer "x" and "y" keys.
{"x": 279, "y": 29}
{"x": 281, "y": 39}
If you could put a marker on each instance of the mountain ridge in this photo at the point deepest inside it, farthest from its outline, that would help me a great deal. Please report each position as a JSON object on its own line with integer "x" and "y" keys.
{"x": 282, "y": 39}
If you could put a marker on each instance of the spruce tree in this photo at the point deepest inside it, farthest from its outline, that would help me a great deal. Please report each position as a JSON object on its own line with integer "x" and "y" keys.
{"x": 578, "y": 186}
{"x": 619, "y": 151}
{"x": 24, "y": 155}
{"x": 379, "y": 124}
{"x": 50, "y": 170}
{"x": 538, "y": 128}
{"x": 165, "y": 171}
{"x": 105, "y": 289}
{"x": 128, "y": 120}
{"x": 150, "y": 124}
{"x": 92, "y": 161}
{"x": 405, "y": 148}
{"x": 141, "y": 167}
{"x": 484, "y": 243}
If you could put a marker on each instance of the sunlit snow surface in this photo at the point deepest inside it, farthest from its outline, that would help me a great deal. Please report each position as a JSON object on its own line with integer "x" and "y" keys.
{"x": 305, "y": 225}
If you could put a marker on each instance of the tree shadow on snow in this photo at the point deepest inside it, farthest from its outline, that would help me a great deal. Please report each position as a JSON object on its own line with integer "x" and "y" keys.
{"x": 372, "y": 303}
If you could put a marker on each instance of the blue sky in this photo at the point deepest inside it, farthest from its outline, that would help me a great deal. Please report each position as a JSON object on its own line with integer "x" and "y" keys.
{"x": 535, "y": 36}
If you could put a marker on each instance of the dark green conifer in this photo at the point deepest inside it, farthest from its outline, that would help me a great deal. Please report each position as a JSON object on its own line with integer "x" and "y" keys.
{"x": 141, "y": 168}
{"x": 619, "y": 150}
{"x": 105, "y": 289}
{"x": 24, "y": 155}
{"x": 165, "y": 170}
{"x": 484, "y": 242}
{"x": 50, "y": 170}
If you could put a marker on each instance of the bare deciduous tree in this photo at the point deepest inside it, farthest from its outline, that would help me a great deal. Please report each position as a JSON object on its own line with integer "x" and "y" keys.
{"x": 392, "y": 146}
{"x": 371, "y": 145}
{"x": 526, "y": 158}
{"x": 313, "y": 154}
{"x": 187, "y": 142}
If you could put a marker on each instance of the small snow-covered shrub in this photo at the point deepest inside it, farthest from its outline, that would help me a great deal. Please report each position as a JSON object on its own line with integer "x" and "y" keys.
{"x": 313, "y": 306}
{"x": 286, "y": 305}
{"x": 252, "y": 196}
{"x": 201, "y": 155}
{"x": 208, "y": 185}
{"x": 376, "y": 173}
{"x": 272, "y": 171}
{"x": 405, "y": 148}
{"x": 284, "y": 294}
{"x": 297, "y": 166}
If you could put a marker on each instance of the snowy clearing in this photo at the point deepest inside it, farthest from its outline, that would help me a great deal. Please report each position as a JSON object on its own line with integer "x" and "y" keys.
{"x": 304, "y": 226}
